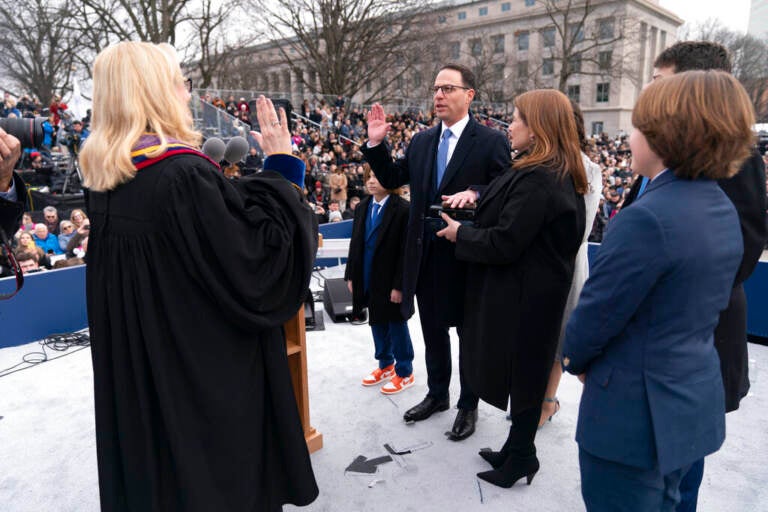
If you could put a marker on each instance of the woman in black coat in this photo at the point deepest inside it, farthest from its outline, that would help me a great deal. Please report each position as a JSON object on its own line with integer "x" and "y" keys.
{"x": 521, "y": 252}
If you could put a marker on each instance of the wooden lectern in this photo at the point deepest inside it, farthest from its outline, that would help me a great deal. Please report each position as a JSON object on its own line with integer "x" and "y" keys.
{"x": 296, "y": 345}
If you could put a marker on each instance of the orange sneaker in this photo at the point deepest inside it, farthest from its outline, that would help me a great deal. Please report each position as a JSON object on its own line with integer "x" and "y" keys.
{"x": 397, "y": 384}
{"x": 379, "y": 375}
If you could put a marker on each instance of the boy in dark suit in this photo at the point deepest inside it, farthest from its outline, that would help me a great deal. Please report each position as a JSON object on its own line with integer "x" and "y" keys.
{"x": 377, "y": 242}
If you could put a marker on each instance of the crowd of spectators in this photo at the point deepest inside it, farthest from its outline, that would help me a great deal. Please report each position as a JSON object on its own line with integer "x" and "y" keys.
{"x": 53, "y": 242}
{"x": 63, "y": 133}
{"x": 328, "y": 138}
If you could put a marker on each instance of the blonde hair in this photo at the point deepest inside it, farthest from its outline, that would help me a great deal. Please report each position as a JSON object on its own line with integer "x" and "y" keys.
{"x": 135, "y": 90}
{"x": 698, "y": 122}
{"x": 549, "y": 115}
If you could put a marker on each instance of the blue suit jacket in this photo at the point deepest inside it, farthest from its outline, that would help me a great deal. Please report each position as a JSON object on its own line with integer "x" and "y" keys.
{"x": 643, "y": 328}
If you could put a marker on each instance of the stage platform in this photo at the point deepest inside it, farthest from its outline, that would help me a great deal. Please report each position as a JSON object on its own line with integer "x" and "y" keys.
{"x": 48, "y": 454}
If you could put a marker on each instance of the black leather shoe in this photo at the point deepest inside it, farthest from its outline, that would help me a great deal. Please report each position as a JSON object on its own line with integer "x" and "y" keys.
{"x": 425, "y": 409}
{"x": 464, "y": 426}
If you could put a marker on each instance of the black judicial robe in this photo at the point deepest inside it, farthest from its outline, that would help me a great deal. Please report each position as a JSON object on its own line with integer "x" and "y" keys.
{"x": 190, "y": 277}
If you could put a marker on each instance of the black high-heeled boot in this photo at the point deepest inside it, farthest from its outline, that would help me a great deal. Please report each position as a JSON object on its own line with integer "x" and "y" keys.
{"x": 496, "y": 459}
{"x": 517, "y": 458}
{"x": 513, "y": 469}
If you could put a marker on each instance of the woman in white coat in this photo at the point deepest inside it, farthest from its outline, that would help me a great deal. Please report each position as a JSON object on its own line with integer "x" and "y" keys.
{"x": 581, "y": 269}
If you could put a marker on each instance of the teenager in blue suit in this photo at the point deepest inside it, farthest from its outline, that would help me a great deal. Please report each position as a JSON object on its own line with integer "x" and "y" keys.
{"x": 642, "y": 335}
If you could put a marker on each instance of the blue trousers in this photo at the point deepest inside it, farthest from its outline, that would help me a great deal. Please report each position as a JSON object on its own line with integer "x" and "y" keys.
{"x": 393, "y": 345}
{"x": 689, "y": 487}
{"x": 608, "y": 486}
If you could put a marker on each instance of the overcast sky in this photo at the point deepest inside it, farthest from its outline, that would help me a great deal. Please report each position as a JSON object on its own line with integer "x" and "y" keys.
{"x": 733, "y": 13}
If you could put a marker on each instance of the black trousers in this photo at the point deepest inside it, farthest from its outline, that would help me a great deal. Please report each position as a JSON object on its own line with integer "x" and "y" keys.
{"x": 440, "y": 307}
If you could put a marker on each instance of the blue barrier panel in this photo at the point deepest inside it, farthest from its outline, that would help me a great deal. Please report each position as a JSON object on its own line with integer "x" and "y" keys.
{"x": 330, "y": 231}
{"x": 756, "y": 288}
{"x": 51, "y": 302}
{"x": 341, "y": 229}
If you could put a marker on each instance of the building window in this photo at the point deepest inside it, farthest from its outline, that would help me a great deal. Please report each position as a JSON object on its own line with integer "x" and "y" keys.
{"x": 576, "y": 31}
{"x": 400, "y": 83}
{"x": 462, "y": 15}
{"x": 523, "y": 40}
{"x": 574, "y": 93}
{"x": 416, "y": 79}
{"x": 597, "y": 127}
{"x": 605, "y": 28}
{"x": 522, "y": 69}
{"x": 548, "y": 67}
{"x": 368, "y": 86}
{"x": 574, "y": 62}
{"x": 604, "y": 60}
{"x": 603, "y": 92}
{"x": 529, "y": 3}
{"x": 483, "y": 11}
{"x": 548, "y": 37}
{"x": 498, "y": 43}
{"x": 441, "y": 19}
{"x": 453, "y": 49}
{"x": 498, "y": 72}
{"x": 475, "y": 47}
{"x": 506, "y": 7}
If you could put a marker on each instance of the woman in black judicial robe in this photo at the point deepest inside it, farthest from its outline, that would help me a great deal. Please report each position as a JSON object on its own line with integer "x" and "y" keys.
{"x": 521, "y": 252}
{"x": 195, "y": 409}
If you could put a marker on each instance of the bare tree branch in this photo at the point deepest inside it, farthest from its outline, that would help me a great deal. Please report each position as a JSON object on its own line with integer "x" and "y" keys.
{"x": 332, "y": 38}
{"x": 37, "y": 51}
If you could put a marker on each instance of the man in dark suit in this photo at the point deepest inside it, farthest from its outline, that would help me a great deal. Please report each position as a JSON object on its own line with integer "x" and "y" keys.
{"x": 458, "y": 155}
{"x": 745, "y": 190}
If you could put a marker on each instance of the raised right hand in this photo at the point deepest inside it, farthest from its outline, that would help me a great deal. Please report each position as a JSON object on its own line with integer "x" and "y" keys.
{"x": 378, "y": 127}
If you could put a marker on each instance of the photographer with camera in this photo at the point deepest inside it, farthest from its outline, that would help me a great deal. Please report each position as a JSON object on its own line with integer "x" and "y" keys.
{"x": 12, "y": 200}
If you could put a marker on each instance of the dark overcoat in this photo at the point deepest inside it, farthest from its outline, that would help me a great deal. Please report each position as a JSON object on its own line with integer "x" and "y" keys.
{"x": 387, "y": 263}
{"x": 521, "y": 253}
{"x": 480, "y": 155}
{"x": 747, "y": 193}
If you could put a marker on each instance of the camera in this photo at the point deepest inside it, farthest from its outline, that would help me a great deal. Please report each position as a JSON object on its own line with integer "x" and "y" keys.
{"x": 28, "y": 131}
{"x": 464, "y": 215}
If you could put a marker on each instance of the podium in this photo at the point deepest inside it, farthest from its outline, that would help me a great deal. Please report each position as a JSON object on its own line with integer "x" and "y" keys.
{"x": 296, "y": 346}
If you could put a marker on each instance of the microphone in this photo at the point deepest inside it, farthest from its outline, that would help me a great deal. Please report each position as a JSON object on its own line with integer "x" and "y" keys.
{"x": 214, "y": 149}
{"x": 236, "y": 149}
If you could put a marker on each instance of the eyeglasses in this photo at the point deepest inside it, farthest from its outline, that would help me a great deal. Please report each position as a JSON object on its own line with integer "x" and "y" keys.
{"x": 447, "y": 89}
{"x": 188, "y": 84}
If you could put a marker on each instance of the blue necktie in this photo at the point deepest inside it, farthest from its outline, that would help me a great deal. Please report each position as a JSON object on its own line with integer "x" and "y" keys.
{"x": 375, "y": 211}
{"x": 442, "y": 155}
{"x": 642, "y": 185}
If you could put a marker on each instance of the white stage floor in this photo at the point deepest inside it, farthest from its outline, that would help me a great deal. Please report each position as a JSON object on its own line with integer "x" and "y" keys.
{"x": 48, "y": 456}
